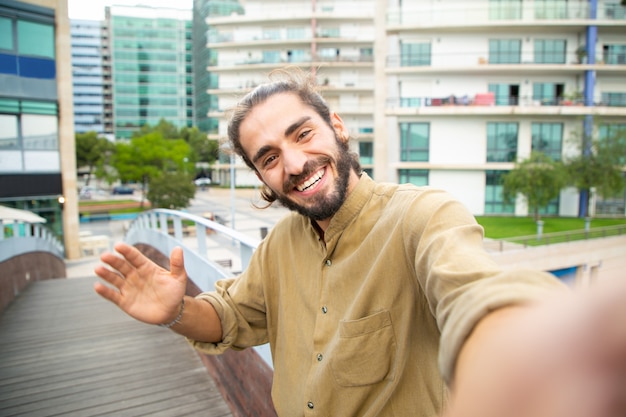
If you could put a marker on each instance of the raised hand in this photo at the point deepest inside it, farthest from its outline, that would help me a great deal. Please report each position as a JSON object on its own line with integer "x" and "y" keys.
{"x": 565, "y": 357}
{"x": 141, "y": 288}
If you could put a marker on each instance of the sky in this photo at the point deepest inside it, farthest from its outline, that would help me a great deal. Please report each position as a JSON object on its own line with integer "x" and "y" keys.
{"x": 94, "y": 9}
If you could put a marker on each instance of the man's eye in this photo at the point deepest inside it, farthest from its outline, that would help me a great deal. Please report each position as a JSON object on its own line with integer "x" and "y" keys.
{"x": 268, "y": 161}
{"x": 303, "y": 135}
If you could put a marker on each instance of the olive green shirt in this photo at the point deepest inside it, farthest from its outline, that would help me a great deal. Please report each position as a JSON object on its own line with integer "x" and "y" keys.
{"x": 368, "y": 321}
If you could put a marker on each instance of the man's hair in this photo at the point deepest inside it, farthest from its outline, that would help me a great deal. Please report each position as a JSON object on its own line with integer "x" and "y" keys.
{"x": 283, "y": 80}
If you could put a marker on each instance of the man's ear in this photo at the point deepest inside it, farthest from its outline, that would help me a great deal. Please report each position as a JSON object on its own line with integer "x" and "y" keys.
{"x": 340, "y": 127}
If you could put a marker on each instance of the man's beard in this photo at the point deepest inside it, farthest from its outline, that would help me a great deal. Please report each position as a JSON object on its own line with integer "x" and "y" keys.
{"x": 320, "y": 207}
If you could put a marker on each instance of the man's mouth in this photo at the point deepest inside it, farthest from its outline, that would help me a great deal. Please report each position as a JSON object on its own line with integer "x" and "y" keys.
{"x": 314, "y": 179}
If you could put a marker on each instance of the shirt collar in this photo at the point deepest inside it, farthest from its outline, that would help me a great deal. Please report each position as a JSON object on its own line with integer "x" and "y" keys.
{"x": 353, "y": 205}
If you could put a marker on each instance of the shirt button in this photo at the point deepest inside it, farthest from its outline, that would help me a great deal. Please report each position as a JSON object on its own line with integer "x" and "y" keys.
{"x": 310, "y": 405}
{"x": 324, "y": 310}
{"x": 320, "y": 357}
{"x": 329, "y": 262}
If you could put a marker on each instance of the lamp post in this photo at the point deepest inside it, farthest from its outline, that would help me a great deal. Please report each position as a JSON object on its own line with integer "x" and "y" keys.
{"x": 226, "y": 148}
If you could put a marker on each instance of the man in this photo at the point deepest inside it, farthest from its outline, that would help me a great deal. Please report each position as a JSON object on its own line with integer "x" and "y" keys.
{"x": 373, "y": 297}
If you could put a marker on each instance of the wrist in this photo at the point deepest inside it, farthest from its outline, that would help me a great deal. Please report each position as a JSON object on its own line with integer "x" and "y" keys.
{"x": 178, "y": 317}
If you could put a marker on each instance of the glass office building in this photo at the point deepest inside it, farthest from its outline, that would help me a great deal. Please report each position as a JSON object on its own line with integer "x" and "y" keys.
{"x": 151, "y": 67}
{"x": 87, "y": 76}
{"x": 36, "y": 132}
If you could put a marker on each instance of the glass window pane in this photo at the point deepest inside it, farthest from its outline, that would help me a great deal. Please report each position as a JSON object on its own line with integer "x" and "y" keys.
{"x": 35, "y": 39}
{"x": 6, "y": 33}
{"x": 40, "y": 132}
{"x": 8, "y": 132}
{"x": 414, "y": 142}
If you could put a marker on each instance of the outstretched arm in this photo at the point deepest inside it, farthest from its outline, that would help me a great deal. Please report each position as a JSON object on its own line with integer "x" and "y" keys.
{"x": 564, "y": 356}
{"x": 153, "y": 295}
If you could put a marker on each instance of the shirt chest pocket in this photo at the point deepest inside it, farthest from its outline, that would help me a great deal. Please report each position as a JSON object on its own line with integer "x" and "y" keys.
{"x": 365, "y": 352}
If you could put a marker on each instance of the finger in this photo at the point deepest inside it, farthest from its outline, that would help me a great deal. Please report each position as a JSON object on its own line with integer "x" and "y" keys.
{"x": 107, "y": 293}
{"x": 109, "y": 276}
{"x": 133, "y": 256}
{"x": 177, "y": 264}
{"x": 117, "y": 262}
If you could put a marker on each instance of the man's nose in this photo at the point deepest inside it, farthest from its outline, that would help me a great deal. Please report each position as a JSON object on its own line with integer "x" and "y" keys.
{"x": 293, "y": 161}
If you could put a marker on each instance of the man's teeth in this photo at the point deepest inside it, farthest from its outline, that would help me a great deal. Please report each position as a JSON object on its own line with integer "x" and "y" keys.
{"x": 311, "y": 181}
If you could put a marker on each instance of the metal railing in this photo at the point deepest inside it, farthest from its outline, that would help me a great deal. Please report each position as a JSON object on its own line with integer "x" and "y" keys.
{"x": 520, "y": 242}
{"x": 211, "y": 250}
{"x": 17, "y": 238}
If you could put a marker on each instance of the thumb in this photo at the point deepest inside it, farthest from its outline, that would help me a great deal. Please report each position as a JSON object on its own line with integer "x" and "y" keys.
{"x": 177, "y": 263}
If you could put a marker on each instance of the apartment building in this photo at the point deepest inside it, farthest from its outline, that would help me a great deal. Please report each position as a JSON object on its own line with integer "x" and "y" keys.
{"x": 447, "y": 94}
{"x": 37, "y": 154}
{"x": 87, "y": 76}
{"x": 149, "y": 53}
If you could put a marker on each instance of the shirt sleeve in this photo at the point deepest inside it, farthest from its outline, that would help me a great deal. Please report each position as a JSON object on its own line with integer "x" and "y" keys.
{"x": 461, "y": 281}
{"x": 240, "y": 305}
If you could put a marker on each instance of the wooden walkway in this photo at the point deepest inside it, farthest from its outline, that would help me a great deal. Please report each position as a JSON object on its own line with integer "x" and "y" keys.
{"x": 64, "y": 351}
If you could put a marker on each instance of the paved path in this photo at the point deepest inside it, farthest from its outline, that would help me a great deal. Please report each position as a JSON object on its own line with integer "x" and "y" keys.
{"x": 64, "y": 351}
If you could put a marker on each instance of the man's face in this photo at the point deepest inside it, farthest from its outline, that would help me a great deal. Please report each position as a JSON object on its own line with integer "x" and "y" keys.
{"x": 297, "y": 155}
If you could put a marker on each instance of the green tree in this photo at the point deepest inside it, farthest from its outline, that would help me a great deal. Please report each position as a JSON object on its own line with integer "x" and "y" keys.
{"x": 146, "y": 157}
{"x": 172, "y": 190}
{"x": 539, "y": 179}
{"x": 601, "y": 168}
{"x": 166, "y": 129}
{"x": 204, "y": 149}
{"x": 93, "y": 152}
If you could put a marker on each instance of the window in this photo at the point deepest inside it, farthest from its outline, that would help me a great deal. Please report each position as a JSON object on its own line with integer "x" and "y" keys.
{"x": 505, "y": 9}
{"x": 505, "y": 94}
{"x": 417, "y": 177}
{"x": 35, "y": 39}
{"x": 613, "y": 131}
{"x": 6, "y": 33}
{"x": 494, "y": 198}
{"x": 505, "y": 51}
{"x": 548, "y": 94}
{"x": 8, "y": 132}
{"x": 366, "y": 152}
{"x": 614, "y": 54}
{"x": 40, "y": 132}
{"x": 548, "y": 138}
{"x": 414, "y": 142}
{"x": 501, "y": 142}
{"x": 550, "y": 51}
{"x": 550, "y": 9}
{"x": 614, "y": 99}
{"x": 614, "y": 10}
{"x": 295, "y": 33}
{"x": 414, "y": 54}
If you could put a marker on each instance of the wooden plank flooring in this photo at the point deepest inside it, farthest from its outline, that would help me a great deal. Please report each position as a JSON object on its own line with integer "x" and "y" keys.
{"x": 64, "y": 351}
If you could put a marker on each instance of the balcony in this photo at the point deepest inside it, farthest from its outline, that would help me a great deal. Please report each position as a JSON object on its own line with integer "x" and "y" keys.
{"x": 490, "y": 104}
{"x": 527, "y": 14}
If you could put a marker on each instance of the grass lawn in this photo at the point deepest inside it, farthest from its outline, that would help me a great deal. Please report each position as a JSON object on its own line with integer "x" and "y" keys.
{"x": 499, "y": 227}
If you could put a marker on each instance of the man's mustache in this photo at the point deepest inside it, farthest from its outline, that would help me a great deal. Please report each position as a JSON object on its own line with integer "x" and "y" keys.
{"x": 309, "y": 168}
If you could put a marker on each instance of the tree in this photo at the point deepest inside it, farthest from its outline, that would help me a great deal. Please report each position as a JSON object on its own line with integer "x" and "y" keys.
{"x": 601, "y": 167}
{"x": 92, "y": 152}
{"x": 204, "y": 149}
{"x": 166, "y": 129}
{"x": 172, "y": 190}
{"x": 148, "y": 157}
{"x": 539, "y": 179}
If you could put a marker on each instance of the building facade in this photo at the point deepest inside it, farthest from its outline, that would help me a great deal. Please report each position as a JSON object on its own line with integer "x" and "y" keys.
{"x": 447, "y": 94}
{"x": 37, "y": 154}
{"x": 151, "y": 68}
{"x": 87, "y": 76}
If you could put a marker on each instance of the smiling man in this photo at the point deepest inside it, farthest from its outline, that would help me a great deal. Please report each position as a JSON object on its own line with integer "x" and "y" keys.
{"x": 374, "y": 297}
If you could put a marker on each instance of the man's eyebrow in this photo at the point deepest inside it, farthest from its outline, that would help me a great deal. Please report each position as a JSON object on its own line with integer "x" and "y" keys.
{"x": 290, "y": 129}
{"x": 296, "y": 125}
{"x": 259, "y": 154}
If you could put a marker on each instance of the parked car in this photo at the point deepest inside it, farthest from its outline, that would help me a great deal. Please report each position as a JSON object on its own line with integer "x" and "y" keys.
{"x": 122, "y": 189}
{"x": 201, "y": 182}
